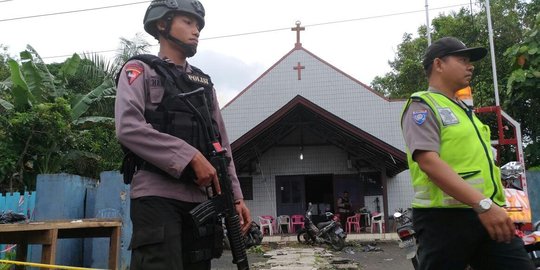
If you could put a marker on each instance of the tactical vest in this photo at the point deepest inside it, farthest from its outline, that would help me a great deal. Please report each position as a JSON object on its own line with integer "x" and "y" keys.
{"x": 185, "y": 118}
{"x": 465, "y": 146}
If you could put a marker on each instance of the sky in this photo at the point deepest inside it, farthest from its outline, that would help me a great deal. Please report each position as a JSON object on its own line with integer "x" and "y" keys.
{"x": 241, "y": 38}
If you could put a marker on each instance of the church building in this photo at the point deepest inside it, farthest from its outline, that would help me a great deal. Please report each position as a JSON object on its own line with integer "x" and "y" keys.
{"x": 305, "y": 132}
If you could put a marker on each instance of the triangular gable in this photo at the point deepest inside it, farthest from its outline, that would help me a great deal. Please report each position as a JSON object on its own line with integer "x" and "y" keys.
{"x": 329, "y": 127}
{"x": 324, "y": 85}
{"x": 320, "y": 59}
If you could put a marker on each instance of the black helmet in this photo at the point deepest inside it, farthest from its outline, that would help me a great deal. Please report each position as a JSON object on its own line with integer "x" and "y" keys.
{"x": 159, "y": 8}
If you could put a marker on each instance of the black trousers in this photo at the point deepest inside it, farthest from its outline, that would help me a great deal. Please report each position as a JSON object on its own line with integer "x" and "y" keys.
{"x": 163, "y": 235}
{"x": 454, "y": 238}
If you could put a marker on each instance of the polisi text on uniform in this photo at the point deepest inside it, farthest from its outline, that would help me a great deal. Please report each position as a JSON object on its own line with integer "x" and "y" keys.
{"x": 198, "y": 79}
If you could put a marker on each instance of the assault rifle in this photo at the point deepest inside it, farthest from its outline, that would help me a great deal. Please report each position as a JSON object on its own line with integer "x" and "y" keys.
{"x": 222, "y": 204}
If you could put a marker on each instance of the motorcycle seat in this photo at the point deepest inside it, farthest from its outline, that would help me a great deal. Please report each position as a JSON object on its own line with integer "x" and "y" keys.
{"x": 323, "y": 224}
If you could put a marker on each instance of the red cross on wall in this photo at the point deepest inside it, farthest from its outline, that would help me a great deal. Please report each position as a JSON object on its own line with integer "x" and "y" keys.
{"x": 299, "y": 68}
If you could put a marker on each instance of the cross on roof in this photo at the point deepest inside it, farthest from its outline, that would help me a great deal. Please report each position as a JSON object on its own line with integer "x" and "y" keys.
{"x": 298, "y": 29}
{"x": 299, "y": 68}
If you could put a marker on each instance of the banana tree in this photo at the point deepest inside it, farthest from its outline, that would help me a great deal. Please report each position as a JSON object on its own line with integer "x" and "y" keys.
{"x": 36, "y": 118}
{"x": 31, "y": 83}
{"x": 105, "y": 70}
{"x": 33, "y": 100}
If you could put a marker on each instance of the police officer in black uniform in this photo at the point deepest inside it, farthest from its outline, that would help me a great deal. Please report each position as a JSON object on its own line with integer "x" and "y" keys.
{"x": 166, "y": 147}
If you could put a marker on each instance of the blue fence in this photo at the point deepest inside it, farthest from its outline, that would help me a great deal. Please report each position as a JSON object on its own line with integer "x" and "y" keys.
{"x": 23, "y": 203}
{"x": 64, "y": 196}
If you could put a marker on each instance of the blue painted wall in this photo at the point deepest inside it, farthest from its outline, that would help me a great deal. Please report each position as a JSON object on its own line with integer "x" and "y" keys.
{"x": 64, "y": 196}
{"x": 111, "y": 200}
{"x": 61, "y": 196}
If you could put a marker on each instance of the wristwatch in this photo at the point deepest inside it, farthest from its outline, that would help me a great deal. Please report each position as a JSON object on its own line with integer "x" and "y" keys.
{"x": 483, "y": 206}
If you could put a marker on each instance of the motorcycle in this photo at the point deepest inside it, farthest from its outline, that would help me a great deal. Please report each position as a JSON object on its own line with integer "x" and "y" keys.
{"x": 326, "y": 232}
{"x": 253, "y": 237}
{"x": 406, "y": 233}
{"x": 532, "y": 244}
{"x": 518, "y": 208}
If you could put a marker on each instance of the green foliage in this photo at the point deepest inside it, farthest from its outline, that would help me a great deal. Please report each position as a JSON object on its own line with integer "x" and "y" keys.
{"x": 522, "y": 89}
{"x": 39, "y": 138}
{"x": 10, "y": 255}
{"x": 4, "y": 69}
{"x": 525, "y": 59}
{"x": 514, "y": 38}
{"x": 83, "y": 103}
{"x": 257, "y": 249}
{"x": 37, "y": 131}
{"x": 407, "y": 74}
{"x": 404, "y": 79}
{"x": 97, "y": 150}
{"x": 41, "y": 132}
{"x": 8, "y": 154}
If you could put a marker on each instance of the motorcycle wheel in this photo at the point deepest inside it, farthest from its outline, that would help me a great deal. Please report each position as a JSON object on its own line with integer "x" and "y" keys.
{"x": 415, "y": 262}
{"x": 303, "y": 237}
{"x": 336, "y": 242}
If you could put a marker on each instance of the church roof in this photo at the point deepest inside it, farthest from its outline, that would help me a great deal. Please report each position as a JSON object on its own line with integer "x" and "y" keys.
{"x": 301, "y": 89}
{"x": 290, "y": 124}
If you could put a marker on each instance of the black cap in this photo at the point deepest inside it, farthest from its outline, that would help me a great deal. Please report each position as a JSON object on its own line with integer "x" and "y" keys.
{"x": 450, "y": 46}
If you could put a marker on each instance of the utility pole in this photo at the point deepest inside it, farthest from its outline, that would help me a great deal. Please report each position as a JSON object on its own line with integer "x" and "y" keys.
{"x": 492, "y": 49}
{"x": 428, "y": 25}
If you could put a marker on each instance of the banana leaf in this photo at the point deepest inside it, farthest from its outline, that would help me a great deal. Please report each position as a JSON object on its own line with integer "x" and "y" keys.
{"x": 82, "y": 105}
{"x": 38, "y": 78}
{"x": 22, "y": 98}
{"x": 6, "y": 105}
{"x": 93, "y": 119}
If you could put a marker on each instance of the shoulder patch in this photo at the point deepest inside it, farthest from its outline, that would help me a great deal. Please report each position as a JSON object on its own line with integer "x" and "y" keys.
{"x": 133, "y": 71}
{"x": 419, "y": 116}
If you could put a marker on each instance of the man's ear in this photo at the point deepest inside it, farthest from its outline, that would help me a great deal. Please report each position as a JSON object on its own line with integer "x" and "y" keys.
{"x": 160, "y": 25}
{"x": 437, "y": 65}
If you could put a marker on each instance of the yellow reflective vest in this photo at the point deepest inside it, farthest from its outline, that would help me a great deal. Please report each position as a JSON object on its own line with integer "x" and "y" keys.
{"x": 465, "y": 146}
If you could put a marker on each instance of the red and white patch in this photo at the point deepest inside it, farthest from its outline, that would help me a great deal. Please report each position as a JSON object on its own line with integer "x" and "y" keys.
{"x": 133, "y": 71}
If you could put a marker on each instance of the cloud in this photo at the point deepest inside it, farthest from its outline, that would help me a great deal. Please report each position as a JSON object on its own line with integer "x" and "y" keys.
{"x": 230, "y": 75}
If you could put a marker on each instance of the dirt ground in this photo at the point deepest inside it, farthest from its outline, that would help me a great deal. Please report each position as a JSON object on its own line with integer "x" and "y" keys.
{"x": 389, "y": 257}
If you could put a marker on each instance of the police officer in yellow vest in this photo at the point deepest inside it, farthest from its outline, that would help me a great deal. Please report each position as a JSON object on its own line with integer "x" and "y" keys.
{"x": 458, "y": 193}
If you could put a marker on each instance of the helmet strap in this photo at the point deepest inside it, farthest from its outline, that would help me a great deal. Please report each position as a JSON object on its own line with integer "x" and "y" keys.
{"x": 189, "y": 50}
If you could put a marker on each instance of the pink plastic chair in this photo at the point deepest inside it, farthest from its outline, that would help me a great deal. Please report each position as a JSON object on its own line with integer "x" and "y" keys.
{"x": 353, "y": 223}
{"x": 297, "y": 220}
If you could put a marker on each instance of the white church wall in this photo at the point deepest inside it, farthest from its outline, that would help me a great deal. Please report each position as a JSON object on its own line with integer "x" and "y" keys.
{"x": 285, "y": 161}
{"x": 370, "y": 203}
{"x": 400, "y": 192}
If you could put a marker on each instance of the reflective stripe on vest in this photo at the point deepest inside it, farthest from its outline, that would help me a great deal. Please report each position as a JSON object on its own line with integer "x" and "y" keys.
{"x": 464, "y": 145}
